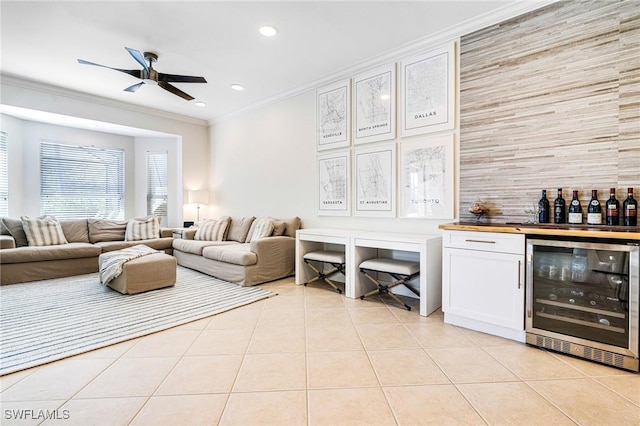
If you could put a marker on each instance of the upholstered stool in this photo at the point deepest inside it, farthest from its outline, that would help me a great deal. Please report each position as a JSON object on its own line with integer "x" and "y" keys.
{"x": 145, "y": 273}
{"x": 401, "y": 270}
{"x": 334, "y": 258}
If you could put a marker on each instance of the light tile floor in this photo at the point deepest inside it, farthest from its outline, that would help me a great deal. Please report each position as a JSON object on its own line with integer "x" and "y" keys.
{"x": 312, "y": 356}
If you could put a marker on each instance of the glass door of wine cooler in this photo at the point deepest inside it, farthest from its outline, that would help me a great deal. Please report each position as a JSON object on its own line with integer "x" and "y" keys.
{"x": 583, "y": 296}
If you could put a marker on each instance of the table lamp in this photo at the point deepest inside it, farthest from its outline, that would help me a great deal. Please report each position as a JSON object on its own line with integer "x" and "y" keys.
{"x": 198, "y": 198}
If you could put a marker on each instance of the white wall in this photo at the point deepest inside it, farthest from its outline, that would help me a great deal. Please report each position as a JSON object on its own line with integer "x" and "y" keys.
{"x": 264, "y": 164}
{"x": 13, "y": 128}
{"x": 191, "y": 136}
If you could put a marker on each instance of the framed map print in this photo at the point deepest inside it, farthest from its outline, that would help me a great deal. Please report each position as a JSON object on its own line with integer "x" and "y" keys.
{"x": 427, "y": 178}
{"x": 332, "y": 116}
{"x": 375, "y": 181}
{"x": 427, "y": 92}
{"x": 334, "y": 184}
{"x": 374, "y": 105}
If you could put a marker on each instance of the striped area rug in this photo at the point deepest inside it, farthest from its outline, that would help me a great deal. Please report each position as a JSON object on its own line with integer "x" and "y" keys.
{"x": 43, "y": 321}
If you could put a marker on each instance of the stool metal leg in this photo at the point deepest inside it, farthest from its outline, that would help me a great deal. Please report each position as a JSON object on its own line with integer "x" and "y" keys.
{"x": 403, "y": 281}
{"x": 381, "y": 288}
{"x": 324, "y": 276}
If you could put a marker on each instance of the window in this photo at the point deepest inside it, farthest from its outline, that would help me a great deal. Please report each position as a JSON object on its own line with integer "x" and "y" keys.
{"x": 81, "y": 181}
{"x": 157, "y": 185}
{"x": 4, "y": 176}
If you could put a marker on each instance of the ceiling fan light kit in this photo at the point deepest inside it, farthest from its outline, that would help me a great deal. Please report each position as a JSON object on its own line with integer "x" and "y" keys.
{"x": 149, "y": 75}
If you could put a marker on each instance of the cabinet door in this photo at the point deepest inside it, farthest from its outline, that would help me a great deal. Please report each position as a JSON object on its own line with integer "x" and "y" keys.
{"x": 484, "y": 286}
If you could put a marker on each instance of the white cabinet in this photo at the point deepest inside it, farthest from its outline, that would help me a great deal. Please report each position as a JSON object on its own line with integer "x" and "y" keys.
{"x": 483, "y": 281}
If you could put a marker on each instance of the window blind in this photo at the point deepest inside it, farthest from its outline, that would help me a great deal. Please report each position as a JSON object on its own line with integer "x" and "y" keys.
{"x": 4, "y": 176}
{"x": 81, "y": 181}
{"x": 157, "y": 185}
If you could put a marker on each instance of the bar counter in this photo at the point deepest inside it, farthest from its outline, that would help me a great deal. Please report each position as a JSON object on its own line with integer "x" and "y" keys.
{"x": 587, "y": 231}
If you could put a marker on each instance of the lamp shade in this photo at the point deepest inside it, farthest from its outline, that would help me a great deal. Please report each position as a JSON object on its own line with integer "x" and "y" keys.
{"x": 198, "y": 197}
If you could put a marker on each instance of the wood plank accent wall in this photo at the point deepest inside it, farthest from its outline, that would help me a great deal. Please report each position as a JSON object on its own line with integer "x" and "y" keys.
{"x": 550, "y": 99}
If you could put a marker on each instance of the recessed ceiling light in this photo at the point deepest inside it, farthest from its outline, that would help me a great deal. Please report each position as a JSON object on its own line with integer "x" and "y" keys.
{"x": 200, "y": 104}
{"x": 384, "y": 97}
{"x": 237, "y": 87}
{"x": 268, "y": 30}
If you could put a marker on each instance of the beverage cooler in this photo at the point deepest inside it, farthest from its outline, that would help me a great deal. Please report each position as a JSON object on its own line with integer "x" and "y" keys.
{"x": 582, "y": 298}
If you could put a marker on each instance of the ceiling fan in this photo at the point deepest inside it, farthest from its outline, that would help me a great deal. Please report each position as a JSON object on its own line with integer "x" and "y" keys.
{"x": 148, "y": 75}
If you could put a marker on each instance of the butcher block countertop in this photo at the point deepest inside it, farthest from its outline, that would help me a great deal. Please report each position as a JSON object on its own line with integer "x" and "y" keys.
{"x": 589, "y": 231}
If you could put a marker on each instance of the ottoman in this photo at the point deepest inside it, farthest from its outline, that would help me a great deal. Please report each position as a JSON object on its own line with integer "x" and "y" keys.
{"x": 145, "y": 273}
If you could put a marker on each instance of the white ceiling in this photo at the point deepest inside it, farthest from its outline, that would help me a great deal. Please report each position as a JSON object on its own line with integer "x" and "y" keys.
{"x": 219, "y": 40}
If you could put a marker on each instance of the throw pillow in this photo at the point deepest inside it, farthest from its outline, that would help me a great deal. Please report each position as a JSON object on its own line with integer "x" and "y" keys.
{"x": 239, "y": 228}
{"x": 263, "y": 228}
{"x": 146, "y": 228}
{"x": 43, "y": 231}
{"x": 212, "y": 230}
{"x": 15, "y": 229}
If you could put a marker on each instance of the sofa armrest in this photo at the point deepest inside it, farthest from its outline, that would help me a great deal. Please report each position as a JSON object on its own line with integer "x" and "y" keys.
{"x": 7, "y": 242}
{"x": 166, "y": 232}
{"x": 278, "y": 249}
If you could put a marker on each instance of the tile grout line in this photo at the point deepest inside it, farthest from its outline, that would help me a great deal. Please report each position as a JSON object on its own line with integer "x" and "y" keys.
{"x": 244, "y": 354}
{"x": 180, "y": 358}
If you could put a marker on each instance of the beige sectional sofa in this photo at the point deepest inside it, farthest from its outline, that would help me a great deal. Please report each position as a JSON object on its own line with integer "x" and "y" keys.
{"x": 86, "y": 240}
{"x": 240, "y": 254}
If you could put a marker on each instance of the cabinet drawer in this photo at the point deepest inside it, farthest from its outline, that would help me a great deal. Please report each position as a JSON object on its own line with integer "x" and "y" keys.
{"x": 485, "y": 241}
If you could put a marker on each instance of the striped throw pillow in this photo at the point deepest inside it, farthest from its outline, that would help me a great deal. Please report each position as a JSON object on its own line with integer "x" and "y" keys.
{"x": 147, "y": 228}
{"x": 43, "y": 231}
{"x": 212, "y": 230}
{"x": 263, "y": 228}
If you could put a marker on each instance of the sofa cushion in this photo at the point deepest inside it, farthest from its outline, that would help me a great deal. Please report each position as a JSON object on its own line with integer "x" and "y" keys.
{"x": 3, "y": 229}
{"x": 293, "y": 224}
{"x": 279, "y": 227}
{"x": 146, "y": 228}
{"x": 196, "y": 247}
{"x": 212, "y": 230}
{"x": 106, "y": 230}
{"x": 15, "y": 229}
{"x": 155, "y": 243}
{"x": 75, "y": 230}
{"x": 263, "y": 228}
{"x": 43, "y": 231}
{"x": 239, "y": 228}
{"x": 44, "y": 253}
{"x": 237, "y": 254}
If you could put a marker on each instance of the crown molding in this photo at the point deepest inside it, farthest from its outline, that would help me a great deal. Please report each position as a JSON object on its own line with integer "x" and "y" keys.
{"x": 12, "y": 80}
{"x": 430, "y": 42}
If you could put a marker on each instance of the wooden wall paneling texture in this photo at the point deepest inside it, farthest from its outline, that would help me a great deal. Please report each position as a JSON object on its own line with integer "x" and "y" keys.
{"x": 550, "y": 99}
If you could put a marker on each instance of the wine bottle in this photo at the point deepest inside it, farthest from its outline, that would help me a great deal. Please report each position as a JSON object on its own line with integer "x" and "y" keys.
{"x": 543, "y": 208}
{"x": 630, "y": 208}
{"x": 594, "y": 212}
{"x": 575, "y": 210}
{"x": 559, "y": 208}
{"x": 613, "y": 209}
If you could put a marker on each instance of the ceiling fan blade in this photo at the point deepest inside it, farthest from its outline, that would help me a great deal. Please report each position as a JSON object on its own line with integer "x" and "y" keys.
{"x": 173, "y": 89}
{"x": 174, "y": 78}
{"x": 133, "y": 88}
{"x": 135, "y": 73}
{"x": 139, "y": 57}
